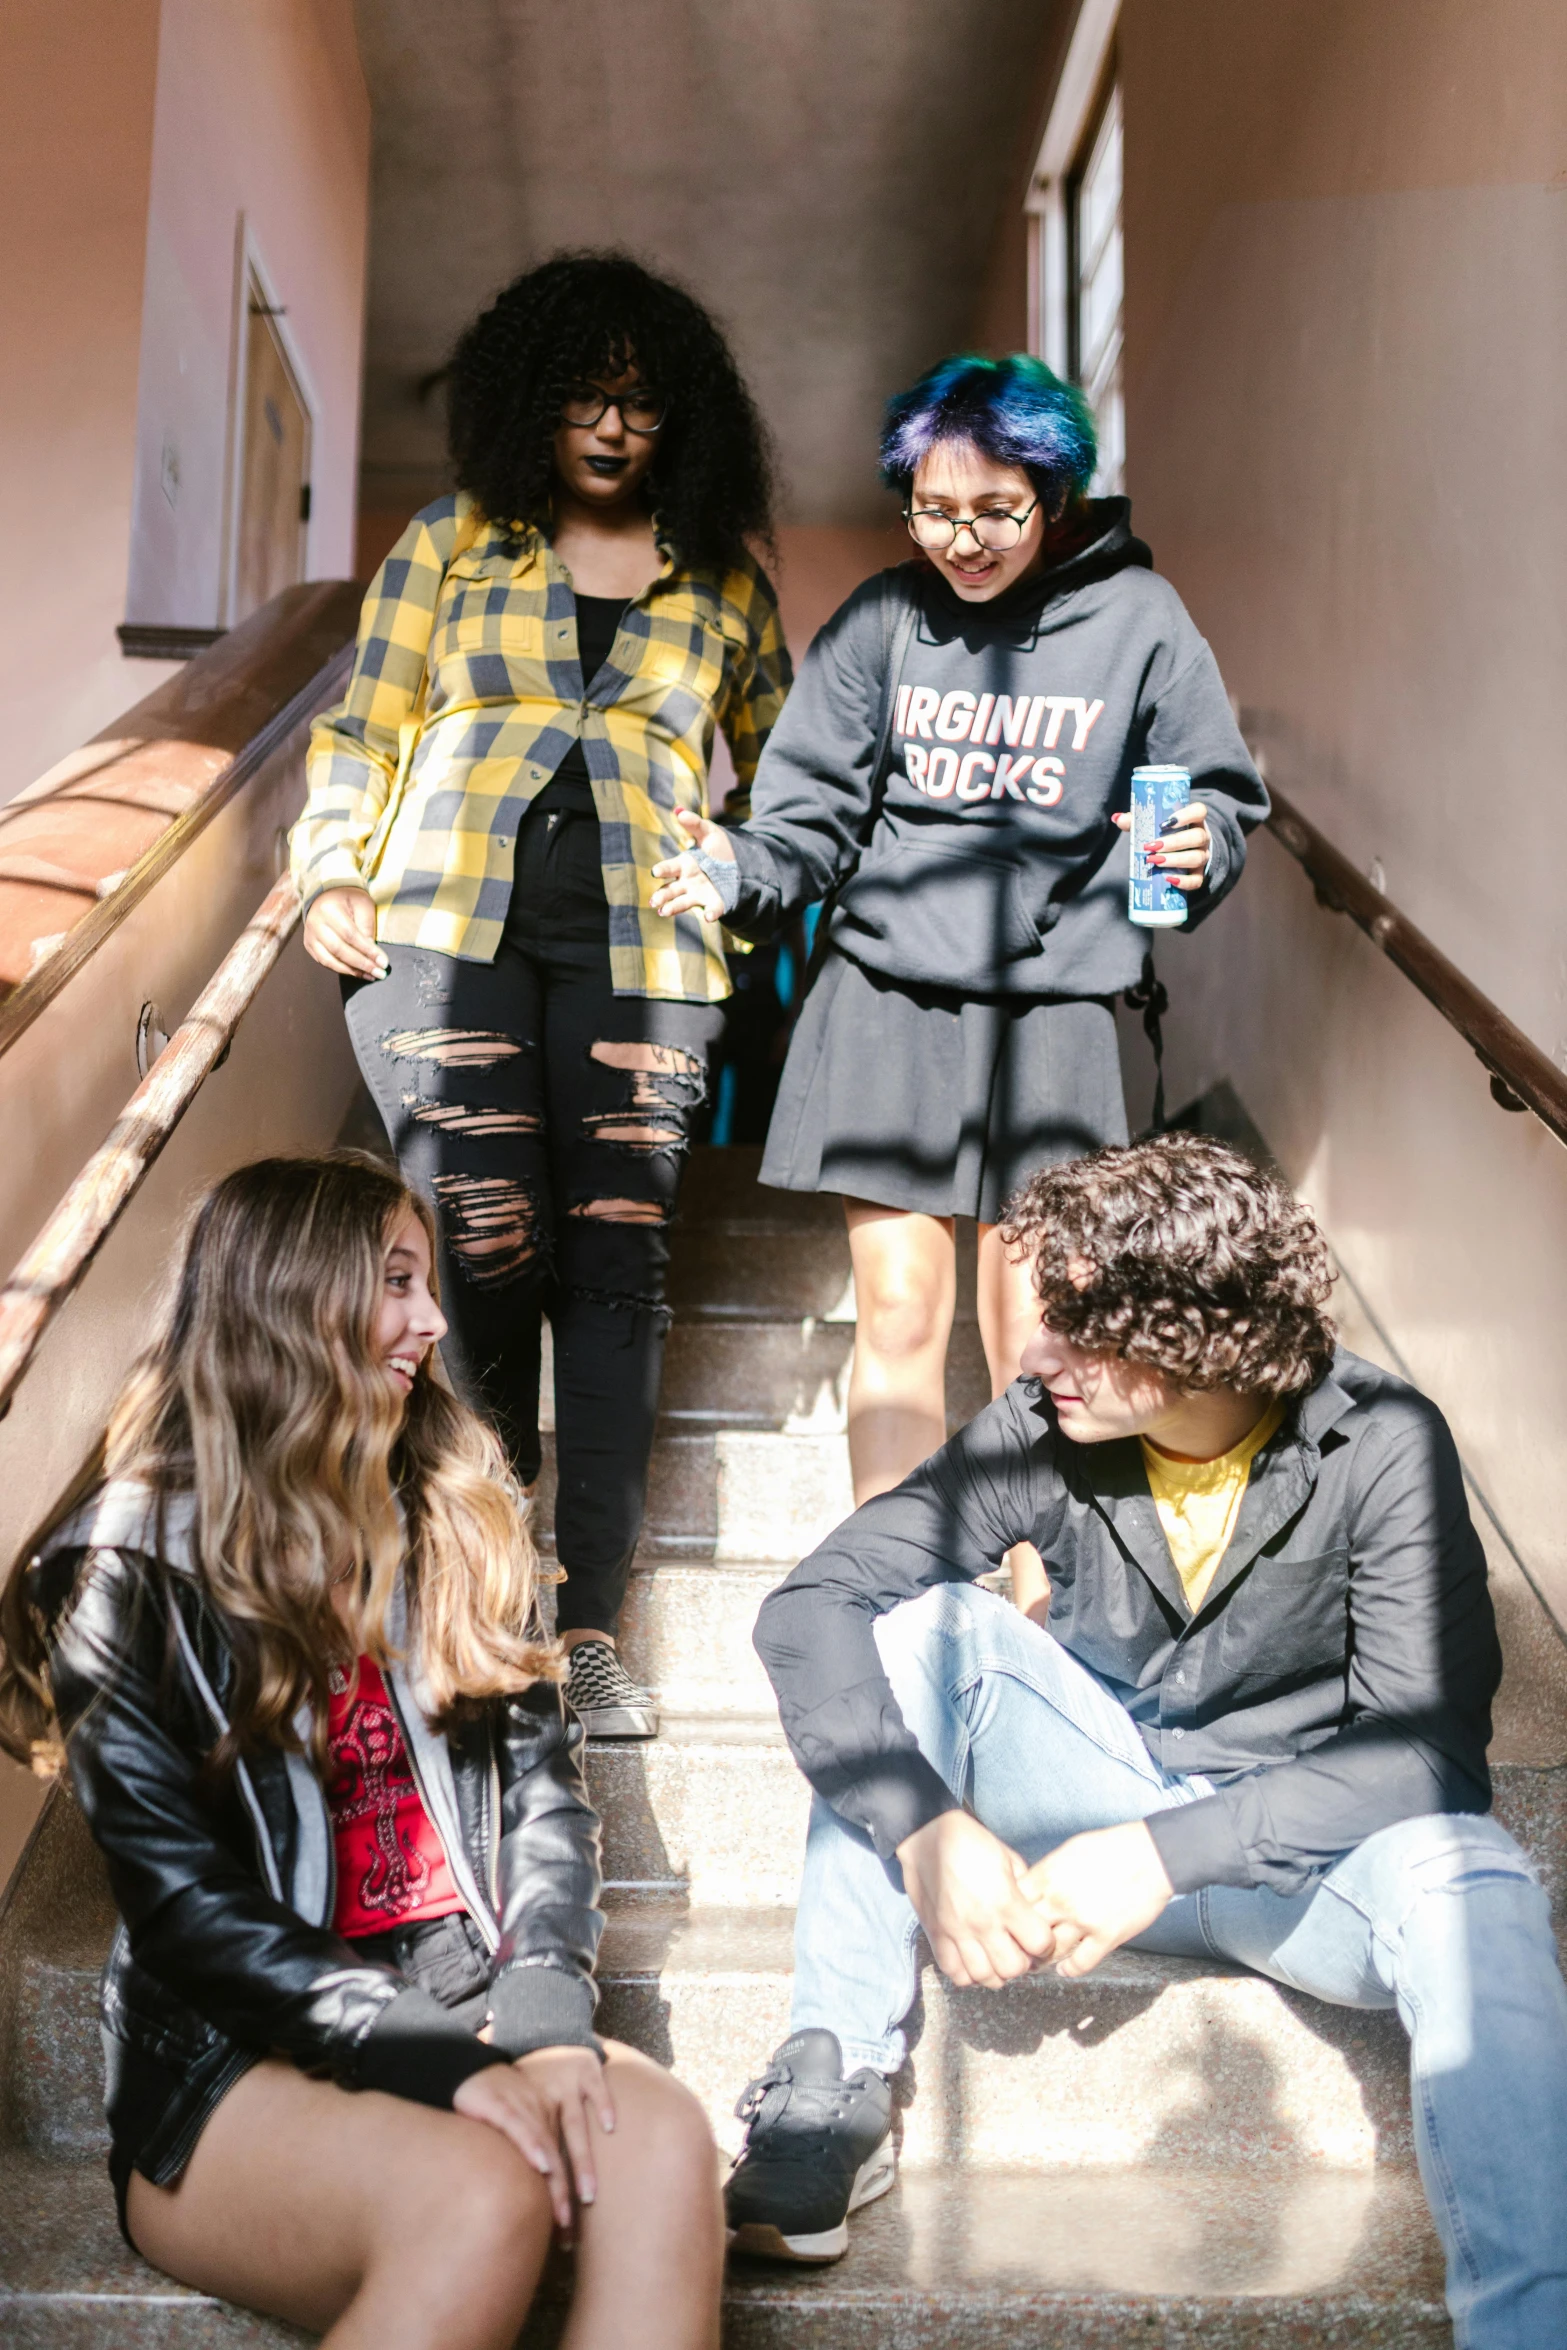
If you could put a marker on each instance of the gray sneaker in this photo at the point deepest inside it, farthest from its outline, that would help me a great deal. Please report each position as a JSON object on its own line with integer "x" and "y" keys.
{"x": 603, "y": 1695}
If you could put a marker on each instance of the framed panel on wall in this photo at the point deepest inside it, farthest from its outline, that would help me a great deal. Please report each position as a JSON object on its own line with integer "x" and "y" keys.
{"x": 270, "y": 433}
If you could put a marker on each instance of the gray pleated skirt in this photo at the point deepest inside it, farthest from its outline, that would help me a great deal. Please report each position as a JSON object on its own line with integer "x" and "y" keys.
{"x": 917, "y": 1098}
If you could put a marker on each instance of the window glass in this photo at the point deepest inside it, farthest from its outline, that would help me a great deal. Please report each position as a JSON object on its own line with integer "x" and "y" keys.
{"x": 1096, "y": 288}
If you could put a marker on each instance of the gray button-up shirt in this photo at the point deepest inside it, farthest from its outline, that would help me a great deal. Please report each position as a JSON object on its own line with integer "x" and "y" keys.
{"x": 1337, "y": 1677}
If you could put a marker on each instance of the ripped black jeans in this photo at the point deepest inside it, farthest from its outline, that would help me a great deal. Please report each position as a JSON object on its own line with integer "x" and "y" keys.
{"x": 546, "y": 1119}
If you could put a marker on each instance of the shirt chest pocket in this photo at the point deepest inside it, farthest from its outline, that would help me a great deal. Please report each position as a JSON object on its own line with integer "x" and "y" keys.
{"x": 486, "y": 608}
{"x": 680, "y": 674}
{"x": 1287, "y": 1620}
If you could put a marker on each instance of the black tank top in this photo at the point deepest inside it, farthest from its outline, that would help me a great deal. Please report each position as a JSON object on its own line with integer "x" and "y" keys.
{"x": 570, "y": 788}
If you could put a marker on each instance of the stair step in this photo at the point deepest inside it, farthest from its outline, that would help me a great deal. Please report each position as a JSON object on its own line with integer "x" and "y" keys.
{"x": 720, "y": 1187}
{"x": 685, "y": 1630}
{"x": 731, "y": 1272}
{"x": 730, "y": 1493}
{"x": 772, "y": 1374}
{"x": 791, "y": 1374}
{"x": 69, "y": 2281}
{"x": 704, "y": 1828}
{"x": 56, "y": 2072}
{"x": 752, "y": 1484}
{"x": 682, "y": 1496}
{"x": 777, "y": 1497}
{"x": 1227, "y": 2258}
{"x": 712, "y": 1811}
{"x": 1154, "y": 2061}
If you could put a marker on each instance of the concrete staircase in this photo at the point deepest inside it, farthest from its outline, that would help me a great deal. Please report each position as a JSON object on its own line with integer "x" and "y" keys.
{"x": 1162, "y": 2154}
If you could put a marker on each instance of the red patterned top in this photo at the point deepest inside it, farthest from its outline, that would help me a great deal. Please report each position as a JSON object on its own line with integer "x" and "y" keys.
{"x": 391, "y": 1866}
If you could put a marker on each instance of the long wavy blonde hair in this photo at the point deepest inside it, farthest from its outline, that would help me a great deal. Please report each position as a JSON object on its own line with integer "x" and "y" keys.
{"x": 314, "y": 1480}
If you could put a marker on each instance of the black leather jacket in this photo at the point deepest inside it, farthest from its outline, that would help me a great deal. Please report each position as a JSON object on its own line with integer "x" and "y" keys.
{"x": 225, "y": 1890}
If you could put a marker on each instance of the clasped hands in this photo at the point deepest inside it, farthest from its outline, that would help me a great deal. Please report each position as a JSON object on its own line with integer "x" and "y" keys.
{"x": 990, "y": 1918}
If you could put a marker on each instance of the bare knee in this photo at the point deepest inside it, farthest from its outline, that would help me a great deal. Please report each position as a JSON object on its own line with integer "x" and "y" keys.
{"x": 483, "y": 2212}
{"x": 664, "y": 2130}
{"x": 900, "y": 1318}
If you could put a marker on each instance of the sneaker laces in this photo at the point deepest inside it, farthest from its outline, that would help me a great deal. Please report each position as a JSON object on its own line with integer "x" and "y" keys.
{"x": 755, "y": 2093}
{"x": 765, "y": 2099}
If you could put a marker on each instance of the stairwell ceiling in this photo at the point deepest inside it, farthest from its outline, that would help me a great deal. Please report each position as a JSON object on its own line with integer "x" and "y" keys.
{"x": 827, "y": 174}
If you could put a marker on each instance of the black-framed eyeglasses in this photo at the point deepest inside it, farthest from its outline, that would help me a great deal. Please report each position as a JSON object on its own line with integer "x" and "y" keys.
{"x": 995, "y": 530}
{"x": 641, "y": 411}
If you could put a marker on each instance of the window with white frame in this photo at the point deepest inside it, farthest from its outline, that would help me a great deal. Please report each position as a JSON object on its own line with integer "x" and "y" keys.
{"x": 1094, "y": 327}
{"x": 1075, "y": 250}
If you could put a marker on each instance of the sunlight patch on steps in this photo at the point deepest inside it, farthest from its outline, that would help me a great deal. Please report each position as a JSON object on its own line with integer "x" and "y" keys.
{"x": 823, "y": 1412}
{"x": 779, "y": 1495}
{"x": 1148, "y": 2231}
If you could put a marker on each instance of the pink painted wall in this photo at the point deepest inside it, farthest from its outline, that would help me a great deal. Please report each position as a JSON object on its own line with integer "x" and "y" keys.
{"x": 819, "y": 565}
{"x": 76, "y": 136}
{"x": 1346, "y": 343}
{"x": 822, "y": 563}
{"x": 262, "y": 120}
{"x": 123, "y": 167}
{"x": 132, "y": 136}
{"x": 287, "y": 1085}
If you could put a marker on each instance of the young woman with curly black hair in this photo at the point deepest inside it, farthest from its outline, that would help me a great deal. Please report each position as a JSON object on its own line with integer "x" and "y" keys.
{"x": 542, "y": 661}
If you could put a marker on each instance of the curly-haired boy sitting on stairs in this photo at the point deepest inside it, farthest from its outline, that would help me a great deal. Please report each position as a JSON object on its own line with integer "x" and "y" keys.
{"x": 1252, "y": 1727}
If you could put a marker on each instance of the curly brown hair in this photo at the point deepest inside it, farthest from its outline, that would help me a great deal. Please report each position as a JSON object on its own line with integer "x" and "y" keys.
{"x": 1182, "y": 1253}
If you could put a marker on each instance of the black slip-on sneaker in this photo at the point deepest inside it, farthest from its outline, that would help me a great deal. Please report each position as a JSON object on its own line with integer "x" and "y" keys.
{"x": 817, "y": 2147}
{"x": 604, "y": 1696}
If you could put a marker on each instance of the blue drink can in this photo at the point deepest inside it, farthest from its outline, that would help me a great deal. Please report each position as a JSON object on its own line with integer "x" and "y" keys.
{"x": 1158, "y": 793}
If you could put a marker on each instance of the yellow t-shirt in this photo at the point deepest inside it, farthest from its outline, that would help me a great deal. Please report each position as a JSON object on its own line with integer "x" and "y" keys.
{"x": 1199, "y": 1501}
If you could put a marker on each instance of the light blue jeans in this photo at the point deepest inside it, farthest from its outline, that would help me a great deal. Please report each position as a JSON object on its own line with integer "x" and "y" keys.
{"x": 1439, "y": 1917}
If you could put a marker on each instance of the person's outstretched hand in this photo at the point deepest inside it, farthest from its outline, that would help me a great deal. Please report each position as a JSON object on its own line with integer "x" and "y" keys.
{"x": 967, "y": 1891}
{"x": 1098, "y": 1890}
{"x": 686, "y": 888}
{"x": 340, "y": 932}
{"x": 542, "y": 2103}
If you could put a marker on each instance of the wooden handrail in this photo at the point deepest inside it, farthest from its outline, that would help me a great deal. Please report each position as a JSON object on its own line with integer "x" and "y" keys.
{"x": 82, "y": 847}
{"x": 1522, "y": 1077}
{"x": 68, "y": 1243}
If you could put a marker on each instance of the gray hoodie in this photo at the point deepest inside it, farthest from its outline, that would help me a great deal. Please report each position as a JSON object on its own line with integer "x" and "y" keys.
{"x": 991, "y": 864}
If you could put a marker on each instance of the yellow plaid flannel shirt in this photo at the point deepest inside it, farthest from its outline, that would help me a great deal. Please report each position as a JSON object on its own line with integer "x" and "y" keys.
{"x": 465, "y": 696}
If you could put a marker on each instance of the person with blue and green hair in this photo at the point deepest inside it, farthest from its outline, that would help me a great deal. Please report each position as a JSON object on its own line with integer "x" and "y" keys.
{"x": 952, "y": 776}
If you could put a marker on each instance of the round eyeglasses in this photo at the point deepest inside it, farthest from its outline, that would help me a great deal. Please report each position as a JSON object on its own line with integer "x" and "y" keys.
{"x": 995, "y": 530}
{"x": 641, "y": 411}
